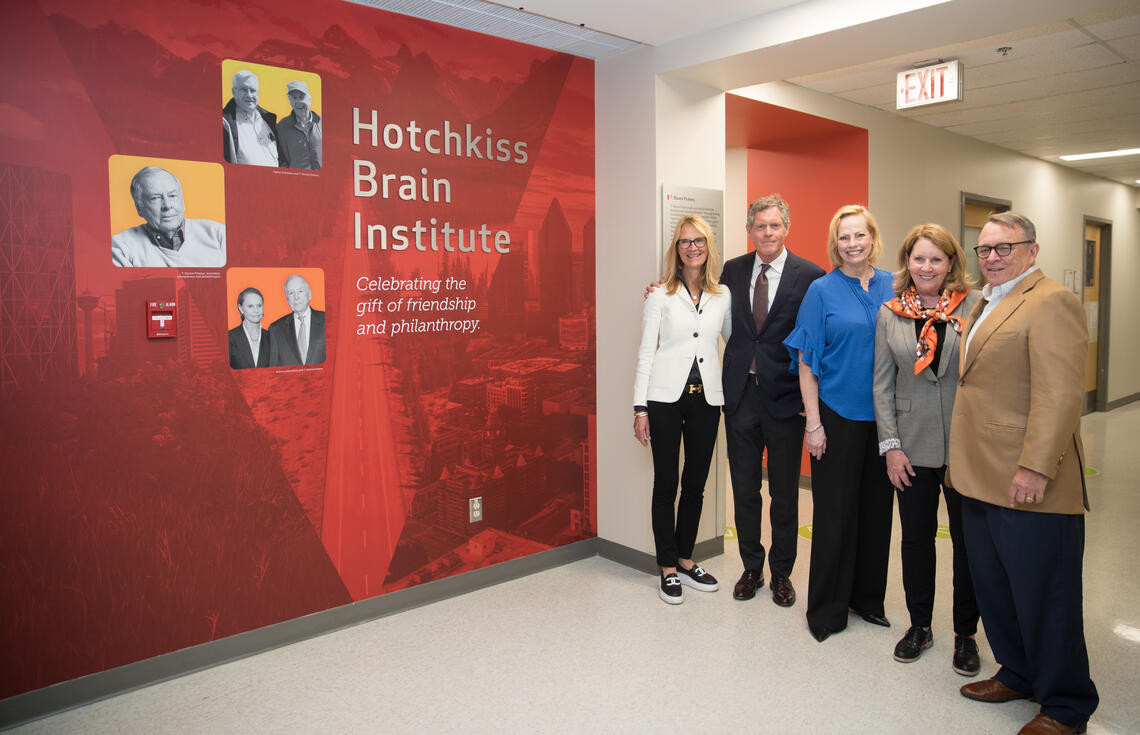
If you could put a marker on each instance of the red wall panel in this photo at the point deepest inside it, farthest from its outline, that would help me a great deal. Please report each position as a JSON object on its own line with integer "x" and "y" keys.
{"x": 155, "y": 498}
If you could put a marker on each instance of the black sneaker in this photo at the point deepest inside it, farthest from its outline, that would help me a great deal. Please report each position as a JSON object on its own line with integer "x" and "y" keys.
{"x": 966, "y": 660}
{"x": 698, "y": 579}
{"x": 670, "y": 590}
{"x": 910, "y": 647}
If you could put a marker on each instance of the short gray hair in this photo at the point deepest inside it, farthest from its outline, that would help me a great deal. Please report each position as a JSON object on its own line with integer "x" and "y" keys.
{"x": 145, "y": 171}
{"x": 772, "y": 200}
{"x": 1013, "y": 219}
{"x": 241, "y": 76}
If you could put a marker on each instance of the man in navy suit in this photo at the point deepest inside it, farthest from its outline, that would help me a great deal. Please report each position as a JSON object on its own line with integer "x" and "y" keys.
{"x": 762, "y": 402}
{"x": 298, "y": 338}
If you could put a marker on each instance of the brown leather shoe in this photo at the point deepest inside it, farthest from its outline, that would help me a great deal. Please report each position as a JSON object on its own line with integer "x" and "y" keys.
{"x": 991, "y": 690}
{"x": 783, "y": 593}
{"x": 1045, "y": 725}
{"x": 747, "y": 585}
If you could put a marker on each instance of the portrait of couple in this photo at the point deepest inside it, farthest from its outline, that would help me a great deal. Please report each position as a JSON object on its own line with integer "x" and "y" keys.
{"x": 295, "y": 338}
{"x": 255, "y": 133}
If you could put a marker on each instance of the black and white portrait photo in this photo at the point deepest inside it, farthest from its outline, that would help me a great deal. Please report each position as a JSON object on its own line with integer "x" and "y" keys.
{"x": 249, "y": 342}
{"x": 166, "y": 237}
{"x": 249, "y": 131}
{"x": 298, "y": 338}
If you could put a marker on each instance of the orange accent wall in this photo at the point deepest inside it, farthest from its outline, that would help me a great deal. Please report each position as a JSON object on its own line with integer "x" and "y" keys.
{"x": 817, "y": 165}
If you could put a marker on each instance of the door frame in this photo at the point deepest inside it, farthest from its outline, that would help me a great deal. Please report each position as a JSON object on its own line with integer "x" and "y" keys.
{"x": 969, "y": 197}
{"x": 1100, "y": 403}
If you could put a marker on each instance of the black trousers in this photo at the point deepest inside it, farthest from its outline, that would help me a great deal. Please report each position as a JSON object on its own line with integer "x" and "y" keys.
{"x": 1027, "y": 574}
{"x": 852, "y": 509}
{"x": 693, "y": 421}
{"x": 751, "y": 429}
{"x": 918, "y": 513}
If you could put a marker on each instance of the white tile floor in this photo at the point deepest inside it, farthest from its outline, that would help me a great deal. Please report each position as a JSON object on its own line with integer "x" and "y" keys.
{"x": 588, "y": 648}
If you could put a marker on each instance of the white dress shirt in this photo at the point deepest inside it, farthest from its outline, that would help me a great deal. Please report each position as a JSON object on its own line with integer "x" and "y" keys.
{"x": 993, "y": 295}
{"x": 253, "y": 339}
{"x": 302, "y": 326}
{"x": 775, "y": 270}
{"x": 255, "y": 146}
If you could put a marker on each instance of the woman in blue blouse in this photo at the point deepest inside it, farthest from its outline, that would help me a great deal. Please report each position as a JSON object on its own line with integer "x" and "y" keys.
{"x": 833, "y": 348}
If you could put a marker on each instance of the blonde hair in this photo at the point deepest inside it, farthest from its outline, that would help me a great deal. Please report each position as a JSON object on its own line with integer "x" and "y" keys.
{"x": 710, "y": 271}
{"x": 957, "y": 279}
{"x": 851, "y": 210}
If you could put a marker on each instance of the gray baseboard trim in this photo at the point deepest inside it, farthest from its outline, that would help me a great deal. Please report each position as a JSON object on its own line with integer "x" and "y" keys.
{"x": 643, "y": 561}
{"x": 67, "y": 695}
{"x": 1122, "y": 401}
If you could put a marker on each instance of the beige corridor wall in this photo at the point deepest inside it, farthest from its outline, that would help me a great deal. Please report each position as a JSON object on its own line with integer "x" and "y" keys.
{"x": 650, "y": 131}
{"x": 917, "y": 174}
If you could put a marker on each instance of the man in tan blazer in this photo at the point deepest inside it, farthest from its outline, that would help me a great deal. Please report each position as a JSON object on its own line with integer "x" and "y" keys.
{"x": 1016, "y": 458}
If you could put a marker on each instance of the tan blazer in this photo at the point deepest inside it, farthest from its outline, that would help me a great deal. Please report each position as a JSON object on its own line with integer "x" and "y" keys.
{"x": 916, "y": 409}
{"x": 1020, "y": 390}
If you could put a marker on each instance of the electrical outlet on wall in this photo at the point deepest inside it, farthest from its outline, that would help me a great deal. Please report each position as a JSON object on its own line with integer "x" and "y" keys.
{"x": 474, "y": 510}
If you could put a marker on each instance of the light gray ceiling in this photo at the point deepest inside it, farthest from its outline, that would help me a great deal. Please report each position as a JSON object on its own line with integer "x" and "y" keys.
{"x": 1072, "y": 87}
{"x": 1067, "y": 87}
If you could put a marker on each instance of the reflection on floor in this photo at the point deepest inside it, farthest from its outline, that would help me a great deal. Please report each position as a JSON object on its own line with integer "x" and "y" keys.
{"x": 589, "y": 648}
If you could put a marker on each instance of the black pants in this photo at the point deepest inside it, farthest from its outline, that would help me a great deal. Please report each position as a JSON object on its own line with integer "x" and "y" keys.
{"x": 1027, "y": 573}
{"x": 695, "y": 422}
{"x": 750, "y": 429}
{"x": 852, "y": 509}
{"x": 918, "y": 513}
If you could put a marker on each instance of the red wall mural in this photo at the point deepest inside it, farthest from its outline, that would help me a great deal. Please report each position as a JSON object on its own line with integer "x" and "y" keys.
{"x": 156, "y": 497}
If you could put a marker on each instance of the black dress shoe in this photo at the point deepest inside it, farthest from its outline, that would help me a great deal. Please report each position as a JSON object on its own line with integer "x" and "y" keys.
{"x": 916, "y": 640}
{"x": 873, "y": 619}
{"x": 747, "y": 585}
{"x": 783, "y": 593}
{"x": 966, "y": 661}
{"x": 820, "y": 634}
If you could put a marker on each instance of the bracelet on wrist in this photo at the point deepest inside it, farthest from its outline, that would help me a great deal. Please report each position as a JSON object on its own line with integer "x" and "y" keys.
{"x": 639, "y": 414}
{"x": 815, "y": 428}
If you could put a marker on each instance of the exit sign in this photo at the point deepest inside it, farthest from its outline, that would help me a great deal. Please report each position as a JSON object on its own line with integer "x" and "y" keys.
{"x": 929, "y": 85}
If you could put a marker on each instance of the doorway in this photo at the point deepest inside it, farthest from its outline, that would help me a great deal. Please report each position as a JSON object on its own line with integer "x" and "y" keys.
{"x": 1096, "y": 261}
{"x": 976, "y": 208}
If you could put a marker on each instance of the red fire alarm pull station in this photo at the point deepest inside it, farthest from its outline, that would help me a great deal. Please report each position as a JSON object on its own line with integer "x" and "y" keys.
{"x": 161, "y": 319}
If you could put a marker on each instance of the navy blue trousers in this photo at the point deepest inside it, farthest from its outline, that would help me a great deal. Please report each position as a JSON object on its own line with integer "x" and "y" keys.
{"x": 1027, "y": 576}
{"x": 751, "y": 430}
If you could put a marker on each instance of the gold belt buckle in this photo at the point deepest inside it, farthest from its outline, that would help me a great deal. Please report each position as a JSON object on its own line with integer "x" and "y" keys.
{"x": 696, "y": 388}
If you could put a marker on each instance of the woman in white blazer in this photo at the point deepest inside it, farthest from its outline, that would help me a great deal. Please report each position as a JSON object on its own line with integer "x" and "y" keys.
{"x": 916, "y": 378}
{"x": 677, "y": 397}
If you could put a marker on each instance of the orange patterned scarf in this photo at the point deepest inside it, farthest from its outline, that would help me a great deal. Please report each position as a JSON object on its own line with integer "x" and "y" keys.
{"x": 908, "y": 305}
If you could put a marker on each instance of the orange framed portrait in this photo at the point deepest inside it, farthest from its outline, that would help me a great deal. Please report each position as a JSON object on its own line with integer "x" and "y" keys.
{"x": 271, "y": 81}
{"x": 271, "y": 283}
{"x": 203, "y": 188}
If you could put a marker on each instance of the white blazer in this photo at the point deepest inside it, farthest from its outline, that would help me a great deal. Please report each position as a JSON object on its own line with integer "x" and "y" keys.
{"x": 673, "y": 333}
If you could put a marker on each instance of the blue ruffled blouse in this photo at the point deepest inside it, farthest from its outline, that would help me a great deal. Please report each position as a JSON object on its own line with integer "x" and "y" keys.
{"x": 835, "y": 329}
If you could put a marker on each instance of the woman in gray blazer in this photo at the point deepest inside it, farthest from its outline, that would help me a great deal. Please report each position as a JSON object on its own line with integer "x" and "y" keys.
{"x": 917, "y": 338}
{"x": 677, "y": 397}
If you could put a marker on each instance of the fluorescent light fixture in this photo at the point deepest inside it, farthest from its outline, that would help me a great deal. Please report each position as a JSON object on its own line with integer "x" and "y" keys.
{"x": 1102, "y": 154}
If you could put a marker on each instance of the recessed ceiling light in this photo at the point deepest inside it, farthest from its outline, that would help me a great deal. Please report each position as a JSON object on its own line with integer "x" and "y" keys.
{"x": 1102, "y": 154}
